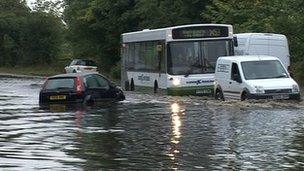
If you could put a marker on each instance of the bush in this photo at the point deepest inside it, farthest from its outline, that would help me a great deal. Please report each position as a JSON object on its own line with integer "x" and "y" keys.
{"x": 299, "y": 73}
{"x": 116, "y": 71}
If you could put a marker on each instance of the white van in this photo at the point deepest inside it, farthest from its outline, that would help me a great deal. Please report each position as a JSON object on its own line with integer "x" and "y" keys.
{"x": 253, "y": 77}
{"x": 263, "y": 44}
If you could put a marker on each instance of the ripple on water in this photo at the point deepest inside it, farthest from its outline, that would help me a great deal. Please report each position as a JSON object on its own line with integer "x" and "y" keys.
{"x": 148, "y": 131}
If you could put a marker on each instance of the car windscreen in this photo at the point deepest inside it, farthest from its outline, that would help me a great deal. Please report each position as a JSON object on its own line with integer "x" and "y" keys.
{"x": 263, "y": 70}
{"x": 85, "y": 63}
{"x": 60, "y": 83}
{"x": 90, "y": 63}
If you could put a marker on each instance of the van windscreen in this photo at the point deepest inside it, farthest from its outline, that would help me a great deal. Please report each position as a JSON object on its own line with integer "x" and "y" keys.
{"x": 263, "y": 70}
{"x": 60, "y": 83}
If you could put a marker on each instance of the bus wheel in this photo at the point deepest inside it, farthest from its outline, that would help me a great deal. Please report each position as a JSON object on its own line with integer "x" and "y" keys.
{"x": 127, "y": 85}
{"x": 132, "y": 87}
{"x": 155, "y": 87}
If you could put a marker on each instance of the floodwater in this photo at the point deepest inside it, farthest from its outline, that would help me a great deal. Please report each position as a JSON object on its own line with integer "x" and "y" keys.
{"x": 148, "y": 132}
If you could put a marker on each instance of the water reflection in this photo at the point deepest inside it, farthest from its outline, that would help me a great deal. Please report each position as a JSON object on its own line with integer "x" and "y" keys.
{"x": 176, "y": 122}
{"x": 97, "y": 139}
{"x": 176, "y": 112}
{"x": 147, "y": 132}
{"x": 294, "y": 155}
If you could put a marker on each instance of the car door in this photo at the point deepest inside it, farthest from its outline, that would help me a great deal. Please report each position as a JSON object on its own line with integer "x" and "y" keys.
{"x": 235, "y": 82}
{"x": 104, "y": 87}
{"x": 98, "y": 87}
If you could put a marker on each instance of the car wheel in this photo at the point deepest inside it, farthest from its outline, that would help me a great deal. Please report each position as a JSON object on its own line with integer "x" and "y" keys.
{"x": 219, "y": 95}
{"x": 88, "y": 100}
{"x": 120, "y": 96}
{"x": 132, "y": 87}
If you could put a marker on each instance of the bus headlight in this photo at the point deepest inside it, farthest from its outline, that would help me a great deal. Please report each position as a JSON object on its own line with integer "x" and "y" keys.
{"x": 259, "y": 89}
{"x": 176, "y": 82}
{"x": 295, "y": 88}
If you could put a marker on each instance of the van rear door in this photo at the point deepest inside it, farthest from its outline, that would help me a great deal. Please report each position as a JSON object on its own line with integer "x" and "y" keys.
{"x": 270, "y": 45}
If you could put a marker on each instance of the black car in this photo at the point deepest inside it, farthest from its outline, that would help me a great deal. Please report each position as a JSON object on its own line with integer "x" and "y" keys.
{"x": 79, "y": 87}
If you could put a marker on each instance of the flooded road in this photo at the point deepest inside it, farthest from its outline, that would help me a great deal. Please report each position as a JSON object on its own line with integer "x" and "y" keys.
{"x": 148, "y": 132}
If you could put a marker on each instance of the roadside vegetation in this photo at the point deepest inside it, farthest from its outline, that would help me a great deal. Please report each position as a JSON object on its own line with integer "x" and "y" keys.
{"x": 50, "y": 37}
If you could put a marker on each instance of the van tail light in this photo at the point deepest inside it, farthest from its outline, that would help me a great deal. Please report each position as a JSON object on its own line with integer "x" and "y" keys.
{"x": 79, "y": 86}
{"x": 45, "y": 83}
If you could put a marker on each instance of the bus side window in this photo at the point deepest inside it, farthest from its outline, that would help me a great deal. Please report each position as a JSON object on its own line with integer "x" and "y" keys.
{"x": 161, "y": 57}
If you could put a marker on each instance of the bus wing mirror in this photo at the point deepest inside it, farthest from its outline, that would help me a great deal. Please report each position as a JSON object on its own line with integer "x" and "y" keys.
{"x": 235, "y": 41}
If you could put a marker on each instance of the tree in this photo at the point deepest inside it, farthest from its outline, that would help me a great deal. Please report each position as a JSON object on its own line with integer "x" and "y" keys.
{"x": 28, "y": 37}
{"x": 42, "y": 38}
{"x": 95, "y": 26}
{"x": 275, "y": 16}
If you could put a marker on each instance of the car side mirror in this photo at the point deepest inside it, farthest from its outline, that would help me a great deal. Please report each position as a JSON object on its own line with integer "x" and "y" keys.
{"x": 112, "y": 85}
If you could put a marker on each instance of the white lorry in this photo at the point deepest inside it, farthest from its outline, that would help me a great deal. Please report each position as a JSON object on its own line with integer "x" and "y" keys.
{"x": 263, "y": 44}
{"x": 253, "y": 77}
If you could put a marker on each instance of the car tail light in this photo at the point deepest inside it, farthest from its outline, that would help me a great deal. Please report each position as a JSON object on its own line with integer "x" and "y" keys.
{"x": 79, "y": 85}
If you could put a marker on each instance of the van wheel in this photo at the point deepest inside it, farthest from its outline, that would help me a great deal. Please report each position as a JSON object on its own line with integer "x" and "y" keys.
{"x": 155, "y": 87}
{"x": 297, "y": 97}
{"x": 244, "y": 96}
{"x": 132, "y": 87}
{"x": 219, "y": 95}
{"x": 127, "y": 85}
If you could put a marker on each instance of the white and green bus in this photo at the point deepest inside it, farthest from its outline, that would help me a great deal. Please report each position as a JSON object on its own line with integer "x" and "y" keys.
{"x": 177, "y": 60}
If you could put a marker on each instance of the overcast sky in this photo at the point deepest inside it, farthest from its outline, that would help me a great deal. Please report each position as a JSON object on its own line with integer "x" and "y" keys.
{"x": 29, "y": 2}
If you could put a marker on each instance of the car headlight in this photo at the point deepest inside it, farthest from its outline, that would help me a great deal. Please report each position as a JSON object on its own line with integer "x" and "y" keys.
{"x": 176, "y": 82}
{"x": 259, "y": 89}
{"x": 295, "y": 88}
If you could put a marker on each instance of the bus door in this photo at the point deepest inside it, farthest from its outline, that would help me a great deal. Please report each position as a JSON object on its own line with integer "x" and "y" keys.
{"x": 162, "y": 77}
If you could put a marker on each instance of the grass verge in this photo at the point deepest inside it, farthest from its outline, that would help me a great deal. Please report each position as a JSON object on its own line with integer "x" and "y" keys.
{"x": 41, "y": 70}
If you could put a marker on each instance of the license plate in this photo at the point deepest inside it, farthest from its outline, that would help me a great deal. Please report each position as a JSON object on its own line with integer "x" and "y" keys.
{"x": 58, "y": 97}
{"x": 277, "y": 97}
{"x": 203, "y": 91}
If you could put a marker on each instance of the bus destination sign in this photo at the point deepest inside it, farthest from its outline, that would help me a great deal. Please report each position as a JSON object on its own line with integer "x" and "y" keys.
{"x": 199, "y": 32}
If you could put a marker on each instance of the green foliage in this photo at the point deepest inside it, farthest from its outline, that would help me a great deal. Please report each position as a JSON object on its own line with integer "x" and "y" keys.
{"x": 95, "y": 26}
{"x": 116, "y": 71}
{"x": 156, "y": 13}
{"x": 285, "y": 17}
{"x": 28, "y": 37}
